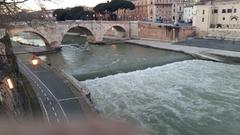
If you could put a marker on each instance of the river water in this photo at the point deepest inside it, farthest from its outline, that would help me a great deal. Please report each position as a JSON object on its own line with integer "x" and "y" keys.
{"x": 191, "y": 97}
{"x": 91, "y": 61}
{"x": 166, "y": 93}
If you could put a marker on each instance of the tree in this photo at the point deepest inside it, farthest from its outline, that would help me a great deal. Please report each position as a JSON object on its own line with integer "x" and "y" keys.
{"x": 60, "y": 14}
{"x": 127, "y": 5}
{"x": 75, "y": 13}
{"x": 10, "y": 9}
{"x": 101, "y": 8}
{"x": 113, "y": 6}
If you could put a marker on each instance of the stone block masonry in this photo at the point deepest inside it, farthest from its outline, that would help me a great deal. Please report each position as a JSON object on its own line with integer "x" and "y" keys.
{"x": 165, "y": 32}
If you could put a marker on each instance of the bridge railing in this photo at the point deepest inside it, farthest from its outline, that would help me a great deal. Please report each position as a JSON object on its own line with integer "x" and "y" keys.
{"x": 91, "y": 21}
{"x": 32, "y": 23}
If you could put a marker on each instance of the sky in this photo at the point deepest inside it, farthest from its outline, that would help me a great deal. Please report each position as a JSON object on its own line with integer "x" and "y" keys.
{"x": 33, "y": 4}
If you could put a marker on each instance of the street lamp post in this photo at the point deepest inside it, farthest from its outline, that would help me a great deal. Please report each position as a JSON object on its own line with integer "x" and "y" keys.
{"x": 10, "y": 84}
{"x": 35, "y": 61}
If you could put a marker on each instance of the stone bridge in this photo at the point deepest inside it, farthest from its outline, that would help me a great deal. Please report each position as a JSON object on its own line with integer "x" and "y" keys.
{"x": 53, "y": 32}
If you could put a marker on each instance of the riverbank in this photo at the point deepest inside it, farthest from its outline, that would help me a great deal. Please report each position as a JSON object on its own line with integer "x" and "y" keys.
{"x": 22, "y": 49}
{"x": 203, "y": 53}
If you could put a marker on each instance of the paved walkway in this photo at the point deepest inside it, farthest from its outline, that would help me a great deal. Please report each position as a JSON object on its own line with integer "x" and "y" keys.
{"x": 55, "y": 93}
{"x": 186, "y": 49}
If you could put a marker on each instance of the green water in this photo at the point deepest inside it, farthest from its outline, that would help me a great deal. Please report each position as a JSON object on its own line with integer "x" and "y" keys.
{"x": 91, "y": 61}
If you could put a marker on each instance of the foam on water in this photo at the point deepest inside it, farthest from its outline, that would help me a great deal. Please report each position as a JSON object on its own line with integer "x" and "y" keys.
{"x": 192, "y": 97}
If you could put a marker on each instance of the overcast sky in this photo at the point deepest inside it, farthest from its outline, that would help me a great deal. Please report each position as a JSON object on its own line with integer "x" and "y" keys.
{"x": 33, "y": 4}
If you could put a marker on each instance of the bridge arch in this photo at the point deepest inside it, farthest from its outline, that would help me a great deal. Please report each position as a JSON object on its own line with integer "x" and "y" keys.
{"x": 117, "y": 31}
{"x": 15, "y": 32}
{"x": 79, "y": 30}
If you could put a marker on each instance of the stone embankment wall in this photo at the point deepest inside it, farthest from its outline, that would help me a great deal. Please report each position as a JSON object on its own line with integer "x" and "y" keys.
{"x": 165, "y": 32}
{"x": 225, "y": 34}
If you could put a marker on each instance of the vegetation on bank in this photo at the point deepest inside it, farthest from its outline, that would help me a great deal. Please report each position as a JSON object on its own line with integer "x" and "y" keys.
{"x": 102, "y": 11}
{"x": 24, "y": 99}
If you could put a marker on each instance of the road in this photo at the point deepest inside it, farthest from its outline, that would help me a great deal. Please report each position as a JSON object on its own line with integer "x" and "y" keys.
{"x": 55, "y": 96}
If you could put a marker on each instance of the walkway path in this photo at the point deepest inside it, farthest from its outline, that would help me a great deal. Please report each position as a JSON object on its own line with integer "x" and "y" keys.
{"x": 55, "y": 93}
{"x": 186, "y": 49}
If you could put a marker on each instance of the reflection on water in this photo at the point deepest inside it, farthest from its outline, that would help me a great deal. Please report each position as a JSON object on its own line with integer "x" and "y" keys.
{"x": 91, "y": 61}
{"x": 184, "y": 98}
{"x": 28, "y": 38}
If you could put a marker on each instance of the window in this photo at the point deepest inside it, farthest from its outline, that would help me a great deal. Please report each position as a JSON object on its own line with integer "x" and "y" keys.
{"x": 203, "y": 12}
{"x": 229, "y": 10}
{"x": 202, "y": 19}
{"x": 235, "y": 10}
{"x": 224, "y": 11}
{"x": 215, "y": 11}
{"x": 223, "y": 18}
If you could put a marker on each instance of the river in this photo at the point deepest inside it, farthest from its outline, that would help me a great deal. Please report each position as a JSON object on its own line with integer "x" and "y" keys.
{"x": 192, "y": 97}
{"x": 166, "y": 93}
{"x": 91, "y": 61}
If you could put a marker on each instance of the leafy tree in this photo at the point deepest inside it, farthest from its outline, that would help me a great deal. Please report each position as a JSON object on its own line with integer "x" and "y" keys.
{"x": 127, "y": 5}
{"x": 101, "y": 8}
{"x": 75, "y": 13}
{"x": 113, "y": 6}
{"x": 60, "y": 14}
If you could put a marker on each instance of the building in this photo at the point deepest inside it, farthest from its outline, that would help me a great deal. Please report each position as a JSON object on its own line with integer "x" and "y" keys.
{"x": 143, "y": 11}
{"x": 188, "y": 14}
{"x": 188, "y": 10}
{"x": 163, "y": 10}
{"x": 217, "y": 15}
{"x": 155, "y": 10}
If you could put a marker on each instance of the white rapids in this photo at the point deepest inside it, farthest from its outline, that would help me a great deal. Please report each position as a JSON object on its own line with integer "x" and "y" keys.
{"x": 192, "y": 97}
